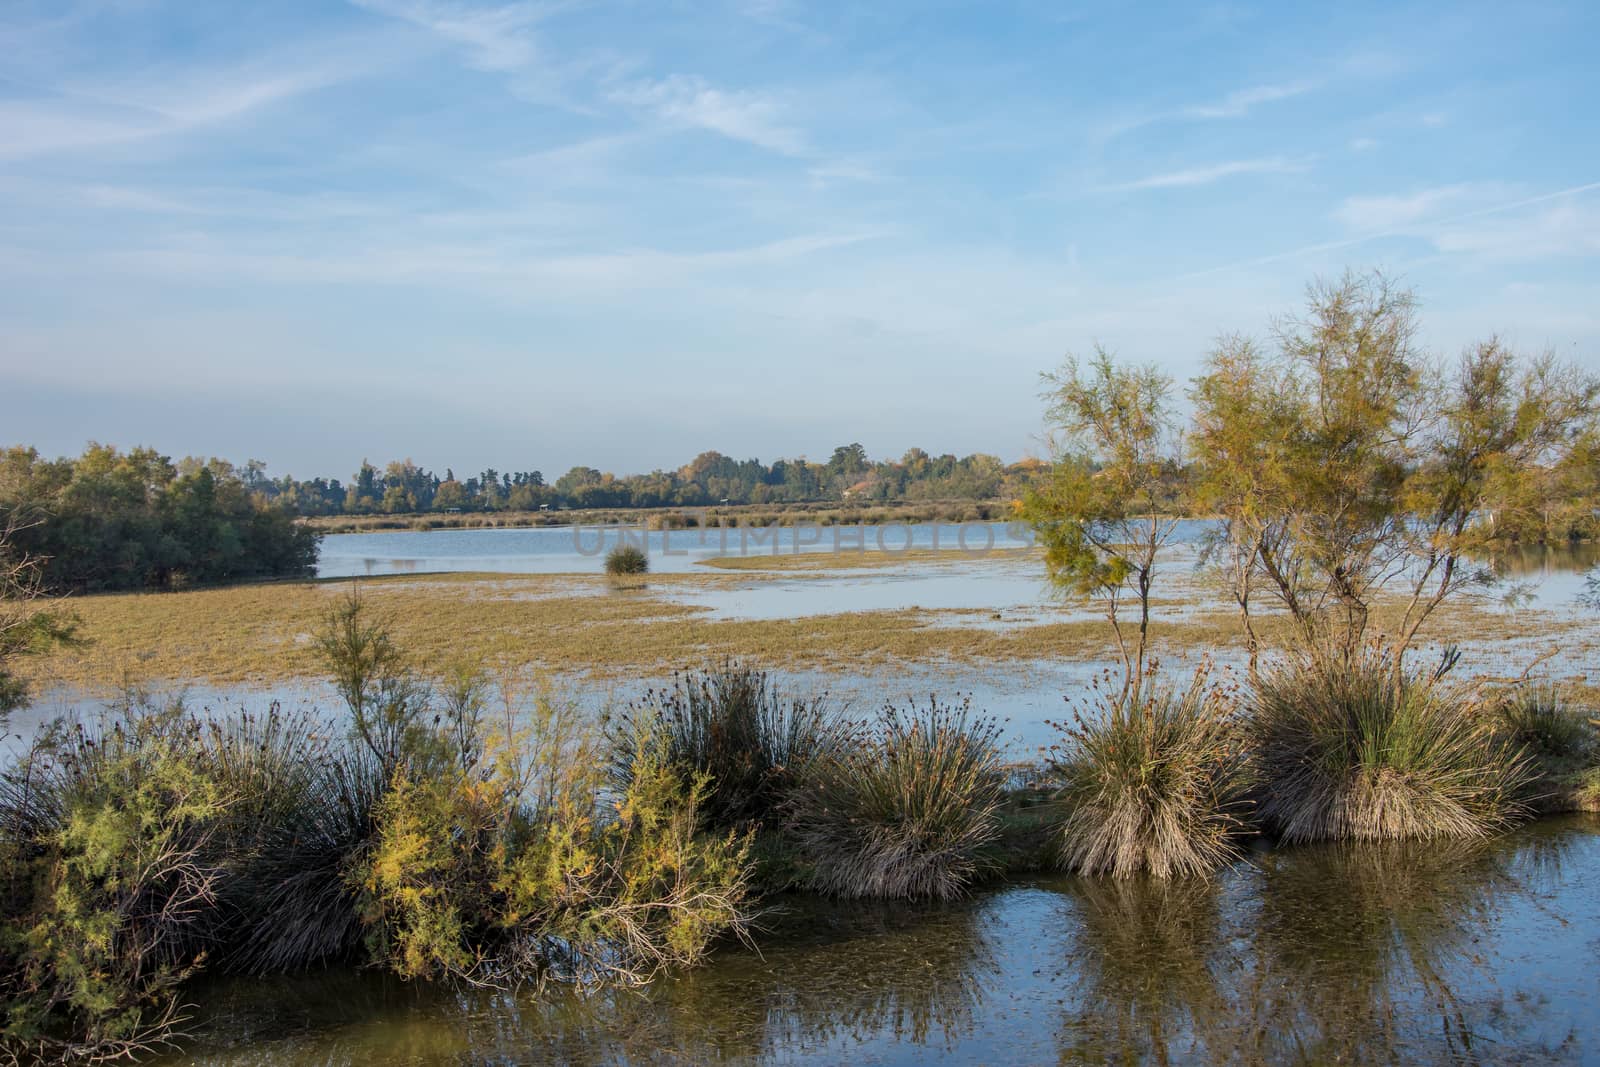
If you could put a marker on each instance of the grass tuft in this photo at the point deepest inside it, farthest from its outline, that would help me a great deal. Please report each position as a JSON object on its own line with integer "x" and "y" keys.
{"x": 1155, "y": 783}
{"x": 1367, "y": 751}
{"x": 627, "y": 560}
{"x": 906, "y": 811}
{"x": 730, "y": 724}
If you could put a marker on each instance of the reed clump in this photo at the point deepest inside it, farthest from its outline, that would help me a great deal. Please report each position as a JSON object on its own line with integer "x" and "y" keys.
{"x": 1363, "y": 749}
{"x": 1153, "y": 782}
{"x": 731, "y": 724}
{"x": 1559, "y": 740}
{"x": 907, "y": 810}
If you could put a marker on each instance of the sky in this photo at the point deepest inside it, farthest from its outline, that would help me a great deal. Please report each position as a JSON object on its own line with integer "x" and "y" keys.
{"x": 534, "y": 235}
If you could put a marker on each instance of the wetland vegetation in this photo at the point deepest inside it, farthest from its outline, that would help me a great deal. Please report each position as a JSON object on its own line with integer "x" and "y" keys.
{"x": 463, "y": 824}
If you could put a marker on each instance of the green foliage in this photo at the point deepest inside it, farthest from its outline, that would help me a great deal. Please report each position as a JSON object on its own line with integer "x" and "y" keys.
{"x": 112, "y": 843}
{"x": 135, "y": 520}
{"x": 425, "y": 839}
{"x": 906, "y": 811}
{"x": 1107, "y": 508}
{"x": 386, "y": 702}
{"x": 627, "y": 559}
{"x": 1156, "y": 784}
{"x": 1364, "y": 750}
{"x": 138, "y": 847}
{"x": 31, "y": 621}
{"x": 1347, "y": 460}
{"x": 732, "y": 726}
{"x": 509, "y": 873}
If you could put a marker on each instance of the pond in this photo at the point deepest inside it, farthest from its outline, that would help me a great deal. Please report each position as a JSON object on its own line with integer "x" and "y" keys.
{"x": 1424, "y": 952}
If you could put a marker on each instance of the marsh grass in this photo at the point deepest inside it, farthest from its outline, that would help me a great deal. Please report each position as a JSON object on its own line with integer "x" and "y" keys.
{"x": 1153, "y": 782}
{"x": 1559, "y": 740}
{"x": 731, "y": 724}
{"x": 1541, "y": 720}
{"x": 263, "y": 633}
{"x": 907, "y": 810}
{"x": 1367, "y": 750}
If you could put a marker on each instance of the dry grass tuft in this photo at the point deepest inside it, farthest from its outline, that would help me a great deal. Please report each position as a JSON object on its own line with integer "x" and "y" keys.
{"x": 1154, "y": 783}
{"x": 1368, "y": 751}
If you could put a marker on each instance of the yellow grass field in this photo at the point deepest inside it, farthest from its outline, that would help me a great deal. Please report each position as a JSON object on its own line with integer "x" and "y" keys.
{"x": 261, "y": 634}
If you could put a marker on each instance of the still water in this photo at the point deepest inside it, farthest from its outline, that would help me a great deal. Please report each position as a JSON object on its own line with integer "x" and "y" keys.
{"x": 581, "y": 549}
{"x": 1427, "y": 952}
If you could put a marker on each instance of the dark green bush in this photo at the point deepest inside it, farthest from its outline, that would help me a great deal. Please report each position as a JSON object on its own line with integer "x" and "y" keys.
{"x": 625, "y": 560}
{"x": 904, "y": 811}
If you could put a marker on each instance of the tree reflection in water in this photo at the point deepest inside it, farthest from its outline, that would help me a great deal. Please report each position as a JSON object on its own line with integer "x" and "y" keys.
{"x": 1314, "y": 954}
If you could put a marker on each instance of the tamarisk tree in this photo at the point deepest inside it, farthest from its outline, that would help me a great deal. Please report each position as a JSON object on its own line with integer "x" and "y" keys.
{"x": 1106, "y": 510}
{"x": 1345, "y": 461}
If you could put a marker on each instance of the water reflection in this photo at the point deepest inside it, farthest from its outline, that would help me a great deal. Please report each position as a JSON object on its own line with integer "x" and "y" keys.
{"x": 1424, "y": 952}
{"x": 1145, "y": 956}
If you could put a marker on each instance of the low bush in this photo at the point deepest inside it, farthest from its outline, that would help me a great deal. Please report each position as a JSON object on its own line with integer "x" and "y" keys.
{"x": 1559, "y": 741}
{"x": 904, "y": 811}
{"x": 135, "y": 850}
{"x": 1155, "y": 782}
{"x": 112, "y": 865}
{"x": 1365, "y": 750}
{"x": 627, "y": 560}
{"x": 500, "y": 877}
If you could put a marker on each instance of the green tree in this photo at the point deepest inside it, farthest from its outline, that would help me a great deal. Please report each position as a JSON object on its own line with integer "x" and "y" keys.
{"x": 1346, "y": 460}
{"x": 1098, "y": 515}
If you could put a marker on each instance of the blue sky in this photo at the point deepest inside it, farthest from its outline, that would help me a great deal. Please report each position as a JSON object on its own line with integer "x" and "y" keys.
{"x": 531, "y": 235}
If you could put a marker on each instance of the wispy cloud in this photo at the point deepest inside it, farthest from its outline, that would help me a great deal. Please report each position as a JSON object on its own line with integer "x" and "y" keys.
{"x": 845, "y": 171}
{"x": 1237, "y": 104}
{"x": 1214, "y": 173}
{"x": 82, "y": 116}
{"x": 495, "y": 38}
{"x": 1241, "y": 102}
{"x": 1448, "y": 234}
{"x": 738, "y": 114}
{"x": 1388, "y": 212}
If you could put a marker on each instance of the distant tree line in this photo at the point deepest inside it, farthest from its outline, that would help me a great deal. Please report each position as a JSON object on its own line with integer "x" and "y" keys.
{"x": 111, "y": 520}
{"x": 402, "y": 487}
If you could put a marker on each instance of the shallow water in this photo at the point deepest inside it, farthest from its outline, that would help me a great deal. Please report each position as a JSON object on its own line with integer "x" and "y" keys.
{"x": 582, "y": 549}
{"x": 1427, "y": 952}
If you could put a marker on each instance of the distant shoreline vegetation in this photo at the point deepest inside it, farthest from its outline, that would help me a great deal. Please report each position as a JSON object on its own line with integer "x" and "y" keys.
{"x": 711, "y": 479}
{"x": 110, "y": 520}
